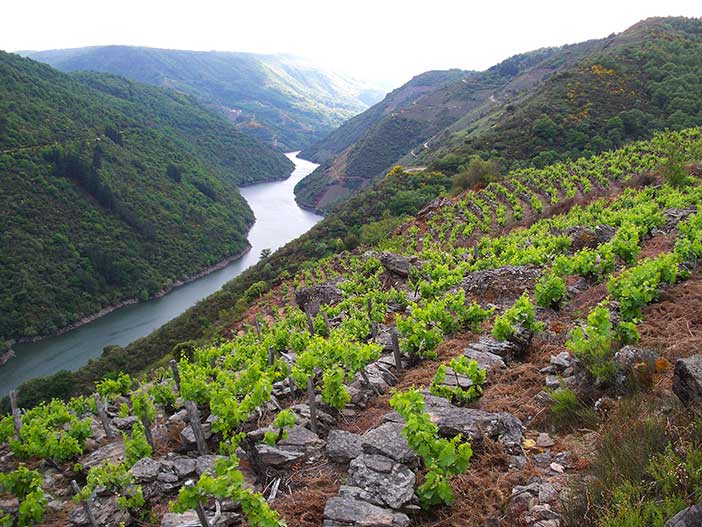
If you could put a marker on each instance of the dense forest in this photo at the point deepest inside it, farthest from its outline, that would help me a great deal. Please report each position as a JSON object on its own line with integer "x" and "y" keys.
{"x": 111, "y": 190}
{"x": 275, "y": 98}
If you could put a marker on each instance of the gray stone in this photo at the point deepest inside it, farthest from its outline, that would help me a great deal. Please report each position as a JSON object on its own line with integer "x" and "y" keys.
{"x": 454, "y": 380}
{"x": 184, "y": 466}
{"x": 277, "y": 457}
{"x": 687, "y": 380}
{"x": 106, "y": 511}
{"x": 562, "y": 360}
{"x": 110, "y": 453}
{"x": 146, "y": 469}
{"x": 124, "y": 423}
{"x": 690, "y": 517}
{"x": 387, "y": 440}
{"x": 485, "y": 359}
{"x": 303, "y": 440}
{"x": 629, "y": 357}
{"x": 386, "y": 482}
{"x": 343, "y": 446}
{"x": 311, "y": 298}
{"x": 187, "y": 436}
{"x": 348, "y": 512}
{"x": 398, "y": 264}
{"x": 544, "y": 441}
{"x": 325, "y": 422}
{"x": 504, "y": 284}
{"x": 505, "y": 350}
{"x": 167, "y": 477}
{"x": 476, "y": 424}
{"x": 181, "y": 416}
{"x": 189, "y": 519}
{"x": 206, "y": 464}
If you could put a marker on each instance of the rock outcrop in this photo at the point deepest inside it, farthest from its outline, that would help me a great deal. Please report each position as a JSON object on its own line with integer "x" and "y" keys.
{"x": 687, "y": 380}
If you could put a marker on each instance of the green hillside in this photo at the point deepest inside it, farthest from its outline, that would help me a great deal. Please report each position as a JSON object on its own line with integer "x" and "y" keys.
{"x": 111, "y": 190}
{"x": 531, "y": 109}
{"x": 275, "y": 98}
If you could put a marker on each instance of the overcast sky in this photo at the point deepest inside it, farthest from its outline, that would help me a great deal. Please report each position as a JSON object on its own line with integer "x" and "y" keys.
{"x": 381, "y": 41}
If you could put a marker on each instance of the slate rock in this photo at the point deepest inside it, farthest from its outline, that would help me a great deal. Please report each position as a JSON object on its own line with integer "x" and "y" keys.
{"x": 506, "y": 350}
{"x": 386, "y": 482}
{"x": 349, "y": 512}
{"x": 398, "y": 264}
{"x": 110, "y": 453}
{"x": 343, "y": 446}
{"x": 311, "y": 298}
{"x": 387, "y": 440}
{"x": 146, "y": 469}
{"x": 277, "y": 457}
{"x": 184, "y": 466}
{"x": 124, "y": 423}
{"x": 187, "y": 436}
{"x": 503, "y": 283}
{"x": 106, "y": 511}
{"x": 485, "y": 359}
{"x": 689, "y": 517}
{"x": 476, "y": 424}
{"x": 687, "y": 380}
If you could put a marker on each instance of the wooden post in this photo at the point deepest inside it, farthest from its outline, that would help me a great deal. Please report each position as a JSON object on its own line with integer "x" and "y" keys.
{"x": 271, "y": 355}
{"x": 16, "y": 417}
{"x": 199, "y": 509}
{"x": 103, "y": 417}
{"x": 313, "y": 404}
{"x": 176, "y": 373}
{"x": 291, "y": 381}
{"x": 326, "y": 321}
{"x": 257, "y": 326}
{"x": 310, "y": 322}
{"x": 194, "y": 418}
{"x": 369, "y": 305}
{"x": 147, "y": 431}
{"x": 374, "y": 329}
{"x": 366, "y": 380}
{"x": 476, "y": 250}
{"x": 86, "y": 505}
{"x": 396, "y": 349}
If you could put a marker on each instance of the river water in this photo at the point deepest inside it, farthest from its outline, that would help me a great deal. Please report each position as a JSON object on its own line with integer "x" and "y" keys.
{"x": 278, "y": 220}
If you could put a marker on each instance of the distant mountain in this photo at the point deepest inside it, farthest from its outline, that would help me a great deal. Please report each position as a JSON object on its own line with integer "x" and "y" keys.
{"x": 111, "y": 190}
{"x": 531, "y": 109}
{"x": 277, "y": 98}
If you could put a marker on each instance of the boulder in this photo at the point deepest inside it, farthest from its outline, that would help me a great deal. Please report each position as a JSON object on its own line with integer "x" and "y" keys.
{"x": 689, "y": 517}
{"x": 106, "y": 511}
{"x": 325, "y": 422}
{"x": 184, "y": 466}
{"x": 349, "y": 512}
{"x": 687, "y": 380}
{"x": 384, "y": 481}
{"x": 387, "y": 440}
{"x": 311, "y": 298}
{"x": 206, "y": 464}
{"x": 343, "y": 446}
{"x": 476, "y": 424}
{"x": 303, "y": 440}
{"x": 124, "y": 423}
{"x": 485, "y": 359}
{"x": 504, "y": 284}
{"x": 561, "y": 361}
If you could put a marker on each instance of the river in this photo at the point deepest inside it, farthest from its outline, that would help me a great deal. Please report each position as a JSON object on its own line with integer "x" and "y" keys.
{"x": 278, "y": 220}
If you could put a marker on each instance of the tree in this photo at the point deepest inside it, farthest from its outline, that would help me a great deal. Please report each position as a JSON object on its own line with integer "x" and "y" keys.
{"x": 265, "y": 254}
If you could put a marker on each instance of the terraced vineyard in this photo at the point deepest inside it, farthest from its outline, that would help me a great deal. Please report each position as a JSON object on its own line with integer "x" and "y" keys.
{"x": 415, "y": 384}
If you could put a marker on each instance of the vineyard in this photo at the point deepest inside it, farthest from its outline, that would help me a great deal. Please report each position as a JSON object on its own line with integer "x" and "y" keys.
{"x": 414, "y": 383}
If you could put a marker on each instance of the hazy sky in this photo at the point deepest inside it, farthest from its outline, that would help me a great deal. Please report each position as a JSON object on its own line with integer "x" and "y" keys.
{"x": 378, "y": 40}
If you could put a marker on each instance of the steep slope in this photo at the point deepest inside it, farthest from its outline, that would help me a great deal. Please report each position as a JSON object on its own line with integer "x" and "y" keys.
{"x": 482, "y": 381}
{"x": 111, "y": 190}
{"x": 276, "y": 98}
{"x": 533, "y": 108}
{"x": 646, "y": 78}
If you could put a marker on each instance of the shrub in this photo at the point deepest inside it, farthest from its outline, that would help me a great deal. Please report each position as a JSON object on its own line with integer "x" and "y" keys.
{"x": 460, "y": 366}
{"x": 550, "y": 290}
{"x": 522, "y": 314}
{"x": 594, "y": 344}
{"x": 567, "y": 411}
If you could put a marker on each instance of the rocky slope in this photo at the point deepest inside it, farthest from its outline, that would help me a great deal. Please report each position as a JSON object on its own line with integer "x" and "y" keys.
{"x": 594, "y": 388}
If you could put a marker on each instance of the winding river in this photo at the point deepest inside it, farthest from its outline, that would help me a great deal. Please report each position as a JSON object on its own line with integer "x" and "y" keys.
{"x": 278, "y": 220}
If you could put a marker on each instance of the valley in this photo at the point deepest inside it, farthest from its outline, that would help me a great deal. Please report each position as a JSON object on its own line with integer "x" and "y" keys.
{"x": 278, "y": 220}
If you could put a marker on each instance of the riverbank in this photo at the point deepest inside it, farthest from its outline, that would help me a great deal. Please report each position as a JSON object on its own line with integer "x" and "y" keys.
{"x": 132, "y": 301}
{"x": 140, "y": 333}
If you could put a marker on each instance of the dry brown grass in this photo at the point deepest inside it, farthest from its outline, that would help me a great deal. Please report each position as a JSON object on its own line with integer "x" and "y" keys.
{"x": 304, "y": 506}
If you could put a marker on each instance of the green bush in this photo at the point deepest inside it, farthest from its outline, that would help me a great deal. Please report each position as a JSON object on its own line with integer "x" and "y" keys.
{"x": 550, "y": 290}
{"x": 522, "y": 314}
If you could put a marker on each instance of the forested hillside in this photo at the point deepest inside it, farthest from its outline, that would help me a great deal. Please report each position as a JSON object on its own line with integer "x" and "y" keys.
{"x": 275, "y": 98}
{"x": 111, "y": 190}
{"x": 529, "y": 110}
